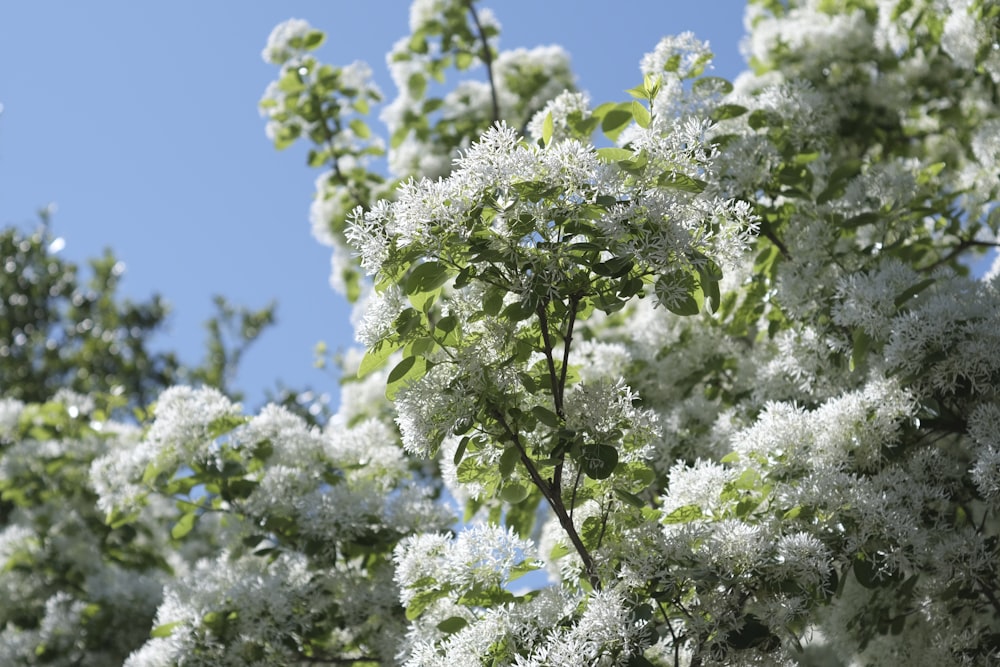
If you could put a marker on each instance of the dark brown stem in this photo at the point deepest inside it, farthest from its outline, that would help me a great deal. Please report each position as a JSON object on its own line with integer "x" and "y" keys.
{"x": 770, "y": 236}
{"x": 576, "y": 485}
{"x": 574, "y": 302}
{"x": 989, "y": 595}
{"x": 328, "y": 136}
{"x": 962, "y": 246}
{"x": 554, "y": 500}
{"x": 673, "y": 636}
{"x": 543, "y": 323}
{"x": 487, "y": 60}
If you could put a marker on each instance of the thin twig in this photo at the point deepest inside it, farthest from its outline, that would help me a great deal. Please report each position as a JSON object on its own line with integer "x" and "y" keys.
{"x": 543, "y": 323}
{"x": 962, "y": 246}
{"x": 574, "y": 301}
{"x": 990, "y": 595}
{"x": 487, "y": 57}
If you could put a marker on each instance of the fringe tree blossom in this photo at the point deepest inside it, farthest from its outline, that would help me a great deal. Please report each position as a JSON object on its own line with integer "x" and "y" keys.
{"x": 728, "y": 373}
{"x": 325, "y": 505}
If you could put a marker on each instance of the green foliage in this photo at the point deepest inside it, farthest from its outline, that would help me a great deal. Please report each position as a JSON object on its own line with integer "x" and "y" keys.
{"x": 46, "y": 493}
{"x": 491, "y": 314}
{"x": 57, "y": 331}
{"x": 230, "y": 333}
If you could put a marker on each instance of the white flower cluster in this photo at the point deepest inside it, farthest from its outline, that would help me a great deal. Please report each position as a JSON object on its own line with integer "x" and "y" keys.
{"x": 657, "y": 225}
{"x": 257, "y": 607}
{"x": 523, "y": 82}
{"x": 600, "y": 409}
{"x": 281, "y": 42}
{"x": 482, "y": 555}
{"x": 182, "y": 434}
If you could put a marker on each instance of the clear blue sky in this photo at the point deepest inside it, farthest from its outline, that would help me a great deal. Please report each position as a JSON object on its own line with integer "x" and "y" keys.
{"x": 139, "y": 120}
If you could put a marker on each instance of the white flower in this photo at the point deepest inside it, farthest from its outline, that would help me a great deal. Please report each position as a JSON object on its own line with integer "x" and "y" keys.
{"x": 701, "y": 485}
{"x": 561, "y": 107}
{"x": 482, "y": 555}
{"x": 804, "y": 558}
{"x": 380, "y": 314}
{"x": 736, "y": 547}
{"x": 685, "y": 53}
{"x": 604, "y": 408}
{"x": 423, "y": 12}
{"x": 279, "y": 49}
{"x": 10, "y": 414}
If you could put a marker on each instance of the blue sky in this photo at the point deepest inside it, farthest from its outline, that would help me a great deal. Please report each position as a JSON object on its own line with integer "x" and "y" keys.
{"x": 139, "y": 121}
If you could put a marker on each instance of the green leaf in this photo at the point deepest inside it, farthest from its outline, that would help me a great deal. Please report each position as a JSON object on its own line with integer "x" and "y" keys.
{"x": 839, "y": 179}
{"x": 616, "y": 120}
{"x": 164, "y": 630}
{"x": 630, "y": 498}
{"x": 684, "y": 514}
{"x": 514, "y": 493}
{"x": 678, "y": 181}
{"x": 519, "y": 311}
{"x": 928, "y": 173}
{"x": 360, "y": 128}
{"x": 416, "y": 85}
{"x": 460, "y": 450}
{"x": 612, "y": 154}
{"x": 410, "y": 369}
{"x": 117, "y": 518}
{"x": 314, "y": 39}
{"x": 761, "y": 118}
{"x": 713, "y": 82}
{"x": 508, "y": 460}
{"x": 679, "y": 292}
{"x": 867, "y": 572}
{"x": 861, "y": 344}
{"x": 753, "y": 634}
{"x": 638, "y": 92}
{"x": 641, "y": 114}
{"x": 452, "y": 624}
{"x": 423, "y": 599}
{"x": 546, "y": 416}
{"x": 598, "y": 461}
{"x": 547, "y": 129}
{"x": 747, "y": 481}
{"x": 184, "y": 525}
{"x": 806, "y": 158}
{"x": 726, "y": 111}
{"x": 480, "y": 596}
{"x": 377, "y": 355}
{"x": 492, "y": 300}
{"x": 427, "y": 277}
{"x": 521, "y": 569}
{"x": 616, "y": 267}
{"x": 286, "y": 136}
{"x": 559, "y": 550}
{"x": 399, "y": 135}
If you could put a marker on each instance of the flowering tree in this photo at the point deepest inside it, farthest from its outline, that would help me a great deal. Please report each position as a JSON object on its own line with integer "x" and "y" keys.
{"x": 724, "y": 383}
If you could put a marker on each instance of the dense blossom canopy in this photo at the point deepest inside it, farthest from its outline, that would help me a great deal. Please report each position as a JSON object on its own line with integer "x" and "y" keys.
{"x": 699, "y": 377}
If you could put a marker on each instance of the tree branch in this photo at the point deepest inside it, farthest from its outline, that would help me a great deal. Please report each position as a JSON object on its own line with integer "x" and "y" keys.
{"x": 554, "y": 500}
{"x": 989, "y": 595}
{"x": 487, "y": 57}
{"x": 574, "y": 302}
{"x": 543, "y": 322}
{"x": 957, "y": 250}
